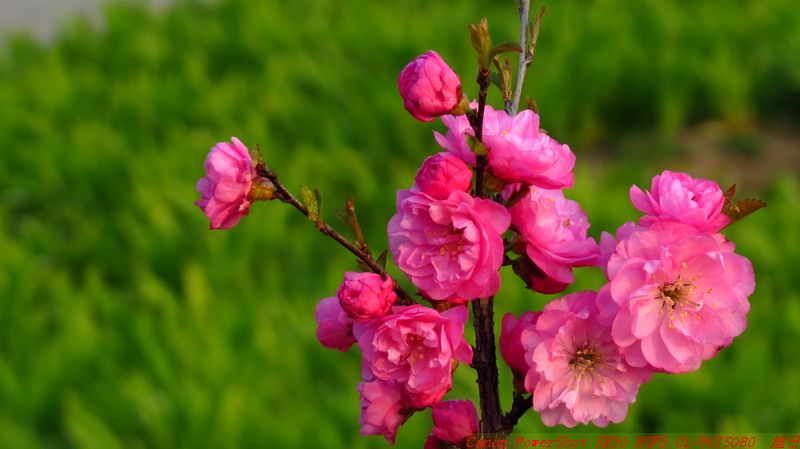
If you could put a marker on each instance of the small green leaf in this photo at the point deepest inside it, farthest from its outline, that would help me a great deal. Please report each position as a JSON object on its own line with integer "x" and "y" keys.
{"x": 476, "y": 146}
{"x": 505, "y": 47}
{"x": 312, "y": 200}
{"x": 481, "y": 41}
{"x": 494, "y": 77}
{"x": 382, "y": 259}
{"x": 352, "y": 222}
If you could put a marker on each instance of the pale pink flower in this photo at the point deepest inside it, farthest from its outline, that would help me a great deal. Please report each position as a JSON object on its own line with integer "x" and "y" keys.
{"x": 416, "y": 347}
{"x": 225, "y": 190}
{"x": 555, "y": 233}
{"x": 511, "y": 347}
{"x": 382, "y": 408}
{"x": 366, "y": 295}
{"x": 449, "y": 248}
{"x": 608, "y": 243}
{"x": 334, "y": 327}
{"x": 442, "y": 174}
{"x": 578, "y": 374}
{"x": 682, "y": 295}
{"x": 453, "y": 421}
{"x": 429, "y": 87}
{"x": 518, "y": 150}
{"x": 679, "y": 197}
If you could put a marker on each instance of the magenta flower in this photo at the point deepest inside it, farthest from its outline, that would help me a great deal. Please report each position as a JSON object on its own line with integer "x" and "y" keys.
{"x": 511, "y": 347}
{"x": 555, "y": 233}
{"x": 442, "y": 174}
{"x": 225, "y": 190}
{"x": 682, "y": 295}
{"x": 679, "y": 197}
{"x": 366, "y": 295}
{"x": 518, "y": 150}
{"x": 382, "y": 409}
{"x": 416, "y": 347}
{"x": 453, "y": 421}
{"x": 429, "y": 87}
{"x": 608, "y": 243}
{"x": 578, "y": 374}
{"x": 451, "y": 247}
{"x": 334, "y": 327}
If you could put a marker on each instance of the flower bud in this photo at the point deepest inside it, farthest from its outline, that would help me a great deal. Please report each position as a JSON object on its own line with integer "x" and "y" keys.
{"x": 443, "y": 173}
{"x": 366, "y": 295}
{"x": 429, "y": 87}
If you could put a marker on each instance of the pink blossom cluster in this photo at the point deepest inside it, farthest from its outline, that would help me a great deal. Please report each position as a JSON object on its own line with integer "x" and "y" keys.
{"x": 676, "y": 292}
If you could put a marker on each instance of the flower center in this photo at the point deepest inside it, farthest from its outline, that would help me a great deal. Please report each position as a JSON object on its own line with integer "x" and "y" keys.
{"x": 416, "y": 349}
{"x": 586, "y": 358}
{"x": 676, "y": 294}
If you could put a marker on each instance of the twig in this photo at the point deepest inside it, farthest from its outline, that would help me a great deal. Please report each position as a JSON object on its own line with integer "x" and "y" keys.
{"x": 528, "y": 50}
{"x": 522, "y": 403}
{"x": 363, "y": 254}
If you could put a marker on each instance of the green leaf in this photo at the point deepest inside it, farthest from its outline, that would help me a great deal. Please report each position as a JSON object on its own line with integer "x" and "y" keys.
{"x": 382, "y": 259}
{"x": 352, "y": 222}
{"x": 481, "y": 41}
{"x": 505, "y": 47}
{"x": 312, "y": 200}
{"x": 476, "y": 146}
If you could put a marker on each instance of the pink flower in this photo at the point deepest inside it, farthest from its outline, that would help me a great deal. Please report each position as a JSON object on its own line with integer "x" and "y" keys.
{"x": 449, "y": 248}
{"x": 382, "y": 409}
{"x": 225, "y": 190}
{"x": 511, "y": 347}
{"x": 429, "y": 87}
{"x": 608, "y": 243}
{"x": 334, "y": 327}
{"x": 416, "y": 347}
{"x": 453, "y": 421}
{"x": 518, "y": 150}
{"x": 442, "y": 174}
{"x": 578, "y": 374}
{"x": 679, "y": 197}
{"x": 366, "y": 295}
{"x": 555, "y": 233}
{"x": 682, "y": 295}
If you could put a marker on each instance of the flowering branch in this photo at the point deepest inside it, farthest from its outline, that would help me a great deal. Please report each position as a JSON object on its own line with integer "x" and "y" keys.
{"x": 362, "y": 253}
{"x": 522, "y": 403}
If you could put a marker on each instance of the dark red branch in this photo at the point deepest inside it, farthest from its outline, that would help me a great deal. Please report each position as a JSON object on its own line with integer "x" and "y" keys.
{"x": 363, "y": 253}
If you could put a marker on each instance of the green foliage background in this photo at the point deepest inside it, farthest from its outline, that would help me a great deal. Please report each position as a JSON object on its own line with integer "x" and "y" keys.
{"x": 125, "y": 323}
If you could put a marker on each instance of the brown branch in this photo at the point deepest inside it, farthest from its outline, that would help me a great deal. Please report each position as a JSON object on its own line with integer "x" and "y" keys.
{"x": 522, "y": 403}
{"x": 363, "y": 253}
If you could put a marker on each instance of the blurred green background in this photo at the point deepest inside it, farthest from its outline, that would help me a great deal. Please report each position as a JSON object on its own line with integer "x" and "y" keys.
{"x": 126, "y": 323}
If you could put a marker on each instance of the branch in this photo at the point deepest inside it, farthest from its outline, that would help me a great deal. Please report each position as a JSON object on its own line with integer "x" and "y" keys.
{"x": 363, "y": 253}
{"x": 522, "y": 403}
{"x": 485, "y": 363}
{"x": 528, "y": 49}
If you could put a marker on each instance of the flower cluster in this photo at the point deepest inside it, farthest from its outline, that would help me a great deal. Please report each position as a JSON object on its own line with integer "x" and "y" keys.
{"x": 676, "y": 292}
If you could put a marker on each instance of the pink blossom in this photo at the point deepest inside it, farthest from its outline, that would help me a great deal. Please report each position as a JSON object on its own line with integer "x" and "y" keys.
{"x": 382, "y": 409}
{"x": 449, "y": 248}
{"x": 518, "y": 150}
{"x": 679, "y": 197}
{"x": 366, "y": 295}
{"x": 416, "y": 347}
{"x": 442, "y": 174}
{"x": 578, "y": 374}
{"x": 608, "y": 243}
{"x": 511, "y": 347}
{"x": 453, "y": 421}
{"x": 555, "y": 233}
{"x": 334, "y": 327}
{"x": 225, "y": 190}
{"x": 429, "y": 87}
{"x": 682, "y": 295}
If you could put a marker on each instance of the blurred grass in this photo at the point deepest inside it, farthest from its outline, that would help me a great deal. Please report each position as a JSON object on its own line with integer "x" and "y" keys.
{"x": 124, "y": 322}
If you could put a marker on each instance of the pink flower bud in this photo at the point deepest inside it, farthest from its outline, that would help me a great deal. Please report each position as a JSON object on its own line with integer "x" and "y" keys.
{"x": 382, "y": 409}
{"x": 366, "y": 295}
{"x": 442, "y": 174}
{"x": 679, "y": 197}
{"x": 429, "y": 87}
{"x": 225, "y": 190}
{"x": 334, "y": 327}
{"x": 511, "y": 347}
{"x": 453, "y": 421}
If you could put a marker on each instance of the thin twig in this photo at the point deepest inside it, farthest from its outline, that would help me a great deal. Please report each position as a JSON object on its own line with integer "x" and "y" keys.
{"x": 522, "y": 403}
{"x": 528, "y": 50}
{"x": 363, "y": 254}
